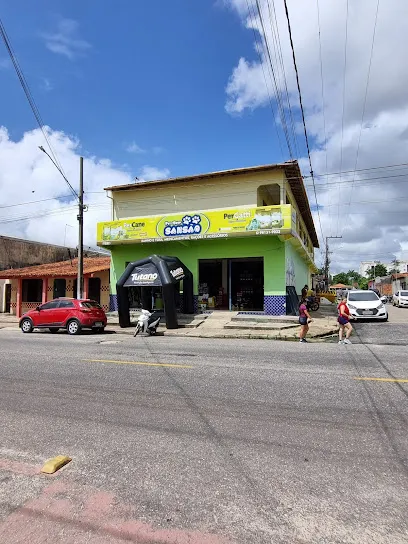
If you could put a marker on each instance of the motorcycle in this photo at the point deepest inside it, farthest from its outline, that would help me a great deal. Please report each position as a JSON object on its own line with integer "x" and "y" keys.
{"x": 147, "y": 323}
{"x": 312, "y": 304}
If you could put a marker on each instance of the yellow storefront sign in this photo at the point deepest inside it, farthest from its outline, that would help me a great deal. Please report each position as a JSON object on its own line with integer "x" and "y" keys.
{"x": 225, "y": 223}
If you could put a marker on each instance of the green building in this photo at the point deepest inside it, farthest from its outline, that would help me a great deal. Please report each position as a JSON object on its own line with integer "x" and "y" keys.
{"x": 247, "y": 235}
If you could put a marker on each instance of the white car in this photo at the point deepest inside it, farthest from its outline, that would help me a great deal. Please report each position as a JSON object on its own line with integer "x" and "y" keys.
{"x": 366, "y": 305}
{"x": 400, "y": 299}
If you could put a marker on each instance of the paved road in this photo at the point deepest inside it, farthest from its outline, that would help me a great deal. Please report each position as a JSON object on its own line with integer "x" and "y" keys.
{"x": 243, "y": 441}
{"x": 395, "y": 332}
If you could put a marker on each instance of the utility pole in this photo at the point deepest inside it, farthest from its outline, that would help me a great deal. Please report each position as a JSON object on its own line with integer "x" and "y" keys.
{"x": 327, "y": 260}
{"x": 80, "y": 217}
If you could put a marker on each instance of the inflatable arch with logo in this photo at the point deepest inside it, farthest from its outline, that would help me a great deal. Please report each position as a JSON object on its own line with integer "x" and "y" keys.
{"x": 156, "y": 271}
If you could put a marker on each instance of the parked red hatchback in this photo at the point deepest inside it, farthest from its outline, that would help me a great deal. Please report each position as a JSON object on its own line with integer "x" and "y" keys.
{"x": 65, "y": 313}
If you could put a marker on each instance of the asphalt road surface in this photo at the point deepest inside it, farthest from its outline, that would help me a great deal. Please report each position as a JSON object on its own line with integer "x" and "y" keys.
{"x": 395, "y": 332}
{"x": 206, "y": 441}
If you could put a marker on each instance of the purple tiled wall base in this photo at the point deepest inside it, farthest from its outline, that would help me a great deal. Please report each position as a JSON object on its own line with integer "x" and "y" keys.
{"x": 113, "y": 303}
{"x": 275, "y": 304}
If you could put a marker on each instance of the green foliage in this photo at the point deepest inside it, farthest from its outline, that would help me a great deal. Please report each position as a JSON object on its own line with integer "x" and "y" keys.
{"x": 378, "y": 270}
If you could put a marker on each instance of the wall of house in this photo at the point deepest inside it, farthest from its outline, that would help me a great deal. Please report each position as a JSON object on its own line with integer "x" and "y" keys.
{"x": 298, "y": 270}
{"x": 228, "y": 191}
{"x": 16, "y": 253}
{"x": 105, "y": 291}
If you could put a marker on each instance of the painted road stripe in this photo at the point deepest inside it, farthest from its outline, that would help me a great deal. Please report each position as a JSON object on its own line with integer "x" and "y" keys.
{"x": 395, "y": 380}
{"x": 135, "y": 363}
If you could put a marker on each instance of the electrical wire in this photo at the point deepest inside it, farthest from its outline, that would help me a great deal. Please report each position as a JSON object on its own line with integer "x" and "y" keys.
{"x": 266, "y": 83}
{"x": 35, "y": 216}
{"x": 365, "y": 97}
{"x": 344, "y": 107}
{"x": 31, "y": 101}
{"x": 303, "y": 114}
{"x": 276, "y": 85}
{"x": 322, "y": 81}
{"x": 276, "y": 36}
{"x": 35, "y": 201}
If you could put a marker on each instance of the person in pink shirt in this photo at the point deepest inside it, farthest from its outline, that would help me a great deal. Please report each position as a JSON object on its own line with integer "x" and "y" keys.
{"x": 304, "y": 320}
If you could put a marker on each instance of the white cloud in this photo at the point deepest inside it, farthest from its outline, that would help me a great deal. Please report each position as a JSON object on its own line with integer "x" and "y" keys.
{"x": 66, "y": 41}
{"x": 380, "y": 228}
{"x": 27, "y": 175}
{"x": 134, "y": 148}
{"x": 46, "y": 85}
{"x": 150, "y": 173}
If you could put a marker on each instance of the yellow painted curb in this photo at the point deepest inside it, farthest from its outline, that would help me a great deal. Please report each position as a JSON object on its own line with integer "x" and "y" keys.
{"x": 54, "y": 464}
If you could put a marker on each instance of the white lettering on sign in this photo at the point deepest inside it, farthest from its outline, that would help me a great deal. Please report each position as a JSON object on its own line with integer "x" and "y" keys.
{"x": 144, "y": 277}
{"x": 178, "y": 272}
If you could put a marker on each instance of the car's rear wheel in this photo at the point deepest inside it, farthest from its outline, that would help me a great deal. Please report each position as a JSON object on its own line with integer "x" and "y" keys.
{"x": 26, "y": 325}
{"x": 53, "y": 329}
{"x": 73, "y": 327}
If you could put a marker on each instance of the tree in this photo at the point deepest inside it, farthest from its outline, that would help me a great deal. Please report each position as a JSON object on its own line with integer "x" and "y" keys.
{"x": 363, "y": 283}
{"x": 395, "y": 267}
{"x": 341, "y": 278}
{"x": 379, "y": 270}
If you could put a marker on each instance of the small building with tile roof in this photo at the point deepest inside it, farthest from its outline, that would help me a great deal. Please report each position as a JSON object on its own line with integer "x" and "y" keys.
{"x": 35, "y": 285}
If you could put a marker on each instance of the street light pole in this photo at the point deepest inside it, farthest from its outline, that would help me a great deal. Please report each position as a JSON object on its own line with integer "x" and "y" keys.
{"x": 80, "y": 217}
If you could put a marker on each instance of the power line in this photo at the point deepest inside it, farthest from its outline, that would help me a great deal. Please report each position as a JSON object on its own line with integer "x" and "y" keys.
{"x": 344, "y": 106}
{"x": 322, "y": 80}
{"x": 303, "y": 114}
{"x": 31, "y": 100}
{"x": 281, "y": 107}
{"x": 35, "y": 216}
{"x": 266, "y": 83}
{"x": 365, "y": 95}
{"x": 35, "y": 201}
{"x": 276, "y": 37}
{"x": 400, "y": 165}
{"x": 363, "y": 181}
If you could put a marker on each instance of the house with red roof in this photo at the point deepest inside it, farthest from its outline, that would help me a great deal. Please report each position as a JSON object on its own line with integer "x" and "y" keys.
{"x": 35, "y": 285}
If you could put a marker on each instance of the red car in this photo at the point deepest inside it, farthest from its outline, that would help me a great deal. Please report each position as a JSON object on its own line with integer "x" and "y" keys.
{"x": 65, "y": 313}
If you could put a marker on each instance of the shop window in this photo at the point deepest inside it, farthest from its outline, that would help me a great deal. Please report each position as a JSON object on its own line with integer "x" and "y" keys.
{"x": 60, "y": 288}
{"x": 32, "y": 291}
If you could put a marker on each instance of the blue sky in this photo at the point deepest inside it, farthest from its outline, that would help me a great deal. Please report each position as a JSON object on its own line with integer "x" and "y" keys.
{"x": 162, "y": 88}
{"x": 147, "y": 72}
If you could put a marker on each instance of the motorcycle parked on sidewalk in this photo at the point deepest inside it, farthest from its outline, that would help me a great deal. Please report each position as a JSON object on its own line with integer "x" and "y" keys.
{"x": 147, "y": 323}
{"x": 312, "y": 303}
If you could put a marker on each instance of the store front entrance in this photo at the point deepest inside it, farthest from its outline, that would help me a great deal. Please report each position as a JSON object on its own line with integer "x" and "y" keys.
{"x": 231, "y": 284}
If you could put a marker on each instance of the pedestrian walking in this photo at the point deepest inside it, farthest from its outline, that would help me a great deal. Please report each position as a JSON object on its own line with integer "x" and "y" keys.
{"x": 304, "y": 291}
{"x": 304, "y": 320}
{"x": 344, "y": 321}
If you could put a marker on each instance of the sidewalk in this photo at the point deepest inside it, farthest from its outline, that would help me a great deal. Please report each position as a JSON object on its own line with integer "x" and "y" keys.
{"x": 222, "y": 324}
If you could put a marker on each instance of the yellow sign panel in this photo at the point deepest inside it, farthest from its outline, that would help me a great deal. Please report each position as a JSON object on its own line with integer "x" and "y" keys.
{"x": 229, "y": 222}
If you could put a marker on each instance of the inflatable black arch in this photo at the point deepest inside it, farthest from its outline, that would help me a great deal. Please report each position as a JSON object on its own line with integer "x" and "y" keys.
{"x": 156, "y": 271}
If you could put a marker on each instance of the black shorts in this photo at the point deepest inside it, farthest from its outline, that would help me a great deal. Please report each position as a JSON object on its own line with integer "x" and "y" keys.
{"x": 303, "y": 320}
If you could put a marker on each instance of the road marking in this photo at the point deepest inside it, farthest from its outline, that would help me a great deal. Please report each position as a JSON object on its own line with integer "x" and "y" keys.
{"x": 136, "y": 363}
{"x": 397, "y": 380}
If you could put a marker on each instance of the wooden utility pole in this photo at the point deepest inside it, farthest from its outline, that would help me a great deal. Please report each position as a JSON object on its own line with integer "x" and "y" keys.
{"x": 327, "y": 260}
{"x": 80, "y": 217}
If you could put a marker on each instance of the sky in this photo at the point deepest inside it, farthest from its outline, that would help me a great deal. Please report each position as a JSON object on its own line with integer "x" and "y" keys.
{"x": 171, "y": 88}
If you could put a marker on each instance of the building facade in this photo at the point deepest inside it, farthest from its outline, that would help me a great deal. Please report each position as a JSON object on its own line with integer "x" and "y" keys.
{"x": 20, "y": 253}
{"x": 367, "y": 266}
{"x": 247, "y": 235}
{"x": 35, "y": 285}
